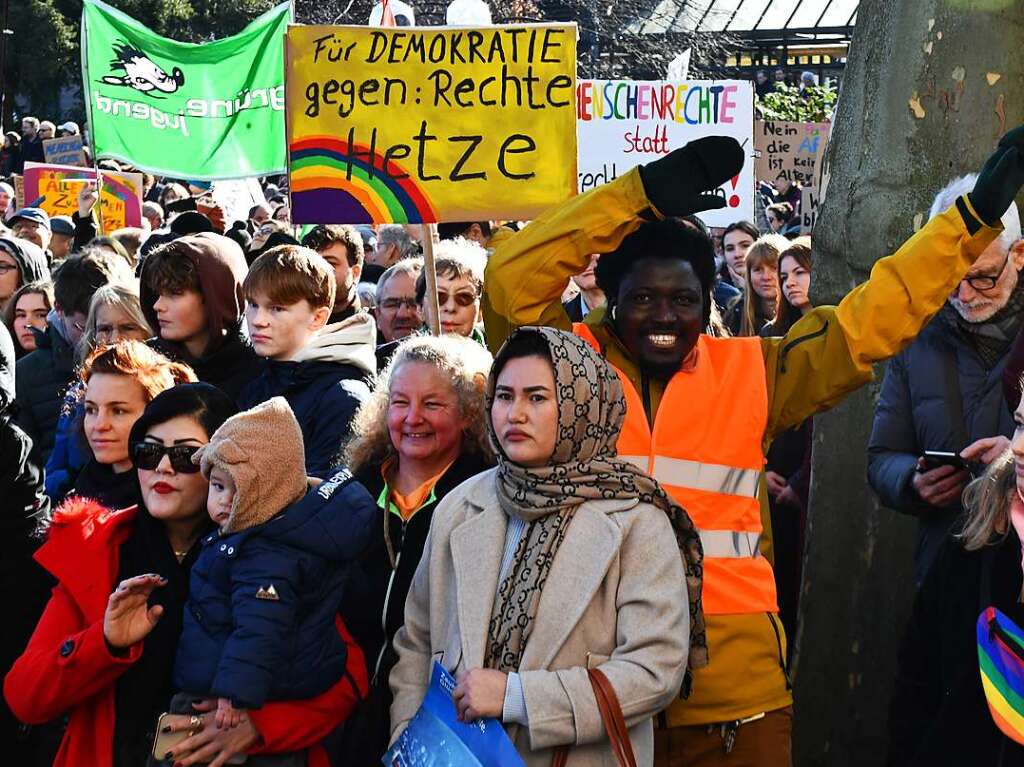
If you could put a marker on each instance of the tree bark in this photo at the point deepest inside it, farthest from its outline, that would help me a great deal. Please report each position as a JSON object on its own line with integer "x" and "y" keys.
{"x": 920, "y": 105}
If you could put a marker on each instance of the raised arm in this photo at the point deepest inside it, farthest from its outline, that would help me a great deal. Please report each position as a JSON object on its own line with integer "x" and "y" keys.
{"x": 63, "y": 664}
{"x": 831, "y": 350}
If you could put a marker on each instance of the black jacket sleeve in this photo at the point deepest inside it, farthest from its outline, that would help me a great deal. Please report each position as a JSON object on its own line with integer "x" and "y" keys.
{"x": 893, "y": 450}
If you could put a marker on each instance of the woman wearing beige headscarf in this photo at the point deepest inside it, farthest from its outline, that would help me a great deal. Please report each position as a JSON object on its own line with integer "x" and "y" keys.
{"x": 562, "y": 559}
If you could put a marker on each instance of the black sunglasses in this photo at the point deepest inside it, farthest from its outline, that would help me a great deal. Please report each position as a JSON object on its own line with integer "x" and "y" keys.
{"x": 147, "y": 456}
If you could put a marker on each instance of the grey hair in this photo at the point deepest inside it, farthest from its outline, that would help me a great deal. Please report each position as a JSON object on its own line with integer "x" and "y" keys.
{"x": 460, "y": 360}
{"x": 395, "y": 234}
{"x": 961, "y": 186}
{"x": 409, "y": 266}
{"x": 125, "y": 298}
{"x": 467, "y": 252}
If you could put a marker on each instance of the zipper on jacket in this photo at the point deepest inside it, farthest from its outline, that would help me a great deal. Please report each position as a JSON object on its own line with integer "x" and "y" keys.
{"x": 796, "y": 341}
{"x": 387, "y": 600}
{"x": 782, "y": 656}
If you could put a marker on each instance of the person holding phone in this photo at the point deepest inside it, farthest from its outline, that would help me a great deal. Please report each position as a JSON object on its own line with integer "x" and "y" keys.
{"x": 103, "y": 652}
{"x": 944, "y": 392}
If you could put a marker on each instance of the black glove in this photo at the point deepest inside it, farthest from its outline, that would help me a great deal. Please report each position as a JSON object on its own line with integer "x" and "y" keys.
{"x": 1001, "y": 178}
{"x": 676, "y": 184}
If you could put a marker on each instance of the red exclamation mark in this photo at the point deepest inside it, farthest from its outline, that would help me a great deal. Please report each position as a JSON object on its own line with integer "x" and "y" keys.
{"x": 734, "y": 201}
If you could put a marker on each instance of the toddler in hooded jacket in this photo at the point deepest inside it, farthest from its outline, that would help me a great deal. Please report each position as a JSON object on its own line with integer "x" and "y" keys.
{"x": 264, "y": 592}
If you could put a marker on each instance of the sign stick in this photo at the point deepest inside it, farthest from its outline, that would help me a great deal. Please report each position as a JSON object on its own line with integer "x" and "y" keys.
{"x": 430, "y": 273}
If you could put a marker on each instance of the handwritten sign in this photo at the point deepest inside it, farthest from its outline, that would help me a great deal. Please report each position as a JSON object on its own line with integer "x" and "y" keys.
{"x": 66, "y": 150}
{"x": 789, "y": 151}
{"x": 624, "y": 123}
{"x": 810, "y": 202}
{"x": 120, "y": 195}
{"x": 424, "y": 124}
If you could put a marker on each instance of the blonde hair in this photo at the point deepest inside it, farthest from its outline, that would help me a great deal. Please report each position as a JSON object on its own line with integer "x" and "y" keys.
{"x": 125, "y": 298}
{"x": 987, "y": 501}
{"x": 765, "y": 250}
{"x": 461, "y": 360}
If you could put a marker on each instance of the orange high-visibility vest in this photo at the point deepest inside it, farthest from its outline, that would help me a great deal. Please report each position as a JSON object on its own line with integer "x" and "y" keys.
{"x": 705, "y": 450}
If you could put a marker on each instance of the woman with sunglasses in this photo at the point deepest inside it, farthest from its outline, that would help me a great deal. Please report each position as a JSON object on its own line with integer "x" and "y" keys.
{"x": 460, "y": 280}
{"x": 103, "y": 652}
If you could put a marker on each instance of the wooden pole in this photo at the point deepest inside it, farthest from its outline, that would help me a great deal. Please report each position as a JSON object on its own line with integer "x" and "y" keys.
{"x": 430, "y": 273}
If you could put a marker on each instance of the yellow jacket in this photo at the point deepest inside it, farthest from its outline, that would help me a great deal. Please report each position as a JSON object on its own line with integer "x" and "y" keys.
{"x": 824, "y": 357}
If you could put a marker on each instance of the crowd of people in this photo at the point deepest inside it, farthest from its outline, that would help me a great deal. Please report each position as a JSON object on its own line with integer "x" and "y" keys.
{"x": 251, "y": 497}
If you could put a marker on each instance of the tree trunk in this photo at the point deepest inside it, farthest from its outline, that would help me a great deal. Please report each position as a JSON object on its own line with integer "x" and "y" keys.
{"x": 923, "y": 100}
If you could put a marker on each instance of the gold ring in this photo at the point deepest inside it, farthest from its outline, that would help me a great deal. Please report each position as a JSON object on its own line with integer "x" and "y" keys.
{"x": 194, "y": 722}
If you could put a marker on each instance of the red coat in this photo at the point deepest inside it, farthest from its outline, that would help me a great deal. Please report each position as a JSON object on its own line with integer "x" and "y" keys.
{"x": 67, "y": 668}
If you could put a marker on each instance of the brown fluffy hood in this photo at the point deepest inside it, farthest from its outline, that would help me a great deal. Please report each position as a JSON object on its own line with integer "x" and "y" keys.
{"x": 221, "y": 267}
{"x": 261, "y": 450}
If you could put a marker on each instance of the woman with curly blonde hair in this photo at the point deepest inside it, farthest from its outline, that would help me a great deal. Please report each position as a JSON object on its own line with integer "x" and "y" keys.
{"x": 420, "y": 435}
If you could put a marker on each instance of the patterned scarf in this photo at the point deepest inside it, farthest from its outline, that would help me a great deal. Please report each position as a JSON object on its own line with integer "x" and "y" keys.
{"x": 991, "y": 338}
{"x": 584, "y": 467}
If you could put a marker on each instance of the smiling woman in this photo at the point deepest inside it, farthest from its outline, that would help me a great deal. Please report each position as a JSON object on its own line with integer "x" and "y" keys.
{"x": 420, "y": 435}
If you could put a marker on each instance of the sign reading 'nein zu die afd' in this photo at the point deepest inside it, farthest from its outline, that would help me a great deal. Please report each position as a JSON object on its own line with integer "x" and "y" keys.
{"x": 414, "y": 125}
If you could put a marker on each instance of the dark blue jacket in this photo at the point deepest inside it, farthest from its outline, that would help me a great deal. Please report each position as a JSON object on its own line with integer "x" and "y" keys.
{"x": 324, "y": 397}
{"x": 914, "y": 415}
{"x": 260, "y": 619}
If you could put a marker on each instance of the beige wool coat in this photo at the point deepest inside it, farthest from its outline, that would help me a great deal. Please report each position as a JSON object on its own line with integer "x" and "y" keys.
{"x": 615, "y": 598}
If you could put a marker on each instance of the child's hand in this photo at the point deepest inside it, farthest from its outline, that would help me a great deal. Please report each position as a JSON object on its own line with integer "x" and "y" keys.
{"x": 228, "y": 716}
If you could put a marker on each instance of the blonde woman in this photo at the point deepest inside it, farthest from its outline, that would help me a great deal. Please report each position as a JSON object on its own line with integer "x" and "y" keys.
{"x": 939, "y": 714}
{"x": 761, "y": 294}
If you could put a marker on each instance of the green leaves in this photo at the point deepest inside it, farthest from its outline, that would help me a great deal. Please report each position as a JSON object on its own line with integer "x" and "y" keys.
{"x": 787, "y": 103}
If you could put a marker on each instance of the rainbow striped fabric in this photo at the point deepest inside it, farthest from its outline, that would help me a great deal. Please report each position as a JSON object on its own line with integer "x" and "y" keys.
{"x": 1001, "y": 661}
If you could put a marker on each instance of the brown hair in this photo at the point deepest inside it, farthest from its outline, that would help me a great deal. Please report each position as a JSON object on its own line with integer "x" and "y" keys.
{"x": 799, "y": 250}
{"x": 323, "y": 236}
{"x": 168, "y": 272}
{"x": 154, "y": 372}
{"x": 782, "y": 210}
{"x": 765, "y": 250}
{"x": 39, "y": 288}
{"x": 288, "y": 274}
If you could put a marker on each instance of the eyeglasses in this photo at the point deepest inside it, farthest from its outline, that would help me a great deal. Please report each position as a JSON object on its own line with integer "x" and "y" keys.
{"x": 985, "y": 282}
{"x": 462, "y": 299}
{"x": 394, "y": 304}
{"x": 148, "y": 455}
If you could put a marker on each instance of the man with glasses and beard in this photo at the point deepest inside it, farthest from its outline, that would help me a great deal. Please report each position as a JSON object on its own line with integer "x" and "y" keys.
{"x": 944, "y": 391}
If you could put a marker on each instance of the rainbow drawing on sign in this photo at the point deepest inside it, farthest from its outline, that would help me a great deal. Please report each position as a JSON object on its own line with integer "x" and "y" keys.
{"x": 333, "y": 181}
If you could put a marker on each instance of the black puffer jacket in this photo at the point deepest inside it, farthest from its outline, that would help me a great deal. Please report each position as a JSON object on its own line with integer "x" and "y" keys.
{"x": 43, "y": 377}
{"x": 914, "y": 415}
{"x": 938, "y": 714}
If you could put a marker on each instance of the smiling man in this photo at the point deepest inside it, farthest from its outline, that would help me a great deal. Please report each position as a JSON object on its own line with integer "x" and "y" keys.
{"x": 682, "y": 423}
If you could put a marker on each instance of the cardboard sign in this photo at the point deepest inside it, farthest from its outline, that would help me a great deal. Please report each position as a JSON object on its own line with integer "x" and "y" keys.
{"x": 66, "y": 150}
{"x": 790, "y": 151}
{"x": 624, "y": 123}
{"x": 810, "y": 202}
{"x": 59, "y": 185}
{"x": 425, "y": 124}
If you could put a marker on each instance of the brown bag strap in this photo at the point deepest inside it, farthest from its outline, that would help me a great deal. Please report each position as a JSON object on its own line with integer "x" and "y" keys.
{"x": 611, "y": 717}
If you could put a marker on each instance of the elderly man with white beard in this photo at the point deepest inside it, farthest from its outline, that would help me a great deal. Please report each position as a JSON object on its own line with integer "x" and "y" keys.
{"x": 944, "y": 392}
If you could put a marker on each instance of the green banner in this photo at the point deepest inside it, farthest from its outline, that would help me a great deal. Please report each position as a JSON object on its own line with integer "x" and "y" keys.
{"x": 196, "y": 111}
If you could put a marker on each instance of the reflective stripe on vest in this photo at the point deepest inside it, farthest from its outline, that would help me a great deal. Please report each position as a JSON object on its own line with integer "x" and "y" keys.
{"x": 711, "y": 465}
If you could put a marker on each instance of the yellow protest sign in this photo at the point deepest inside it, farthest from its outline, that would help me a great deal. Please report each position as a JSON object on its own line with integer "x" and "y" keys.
{"x": 425, "y": 124}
